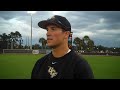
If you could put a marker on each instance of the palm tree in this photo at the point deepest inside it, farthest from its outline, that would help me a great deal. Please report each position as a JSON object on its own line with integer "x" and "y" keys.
{"x": 43, "y": 42}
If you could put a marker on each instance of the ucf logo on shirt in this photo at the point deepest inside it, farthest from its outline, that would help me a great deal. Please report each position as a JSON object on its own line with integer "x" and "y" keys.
{"x": 52, "y": 71}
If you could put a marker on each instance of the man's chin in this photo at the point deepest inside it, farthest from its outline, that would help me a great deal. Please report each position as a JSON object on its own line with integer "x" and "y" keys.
{"x": 52, "y": 46}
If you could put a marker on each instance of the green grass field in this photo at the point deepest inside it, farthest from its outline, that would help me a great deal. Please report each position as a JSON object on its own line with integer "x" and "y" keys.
{"x": 105, "y": 67}
{"x": 19, "y": 66}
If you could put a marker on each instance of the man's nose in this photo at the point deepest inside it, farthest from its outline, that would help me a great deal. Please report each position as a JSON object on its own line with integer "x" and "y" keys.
{"x": 48, "y": 33}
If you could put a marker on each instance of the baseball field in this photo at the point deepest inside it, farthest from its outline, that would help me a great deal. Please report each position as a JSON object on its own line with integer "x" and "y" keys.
{"x": 19, "y": 66}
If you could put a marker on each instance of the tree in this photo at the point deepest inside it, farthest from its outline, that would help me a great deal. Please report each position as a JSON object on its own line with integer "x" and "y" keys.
{"x": 4, "y": 37}
{"x": 86, "y": 39}
{"x": 43, "y": 42}
{"x": 78, "y": 42}
{"x": 90, "y": 45}
{"x": 19, "y": 39}
{"x": 85, "y": 42}
{"x": 14, "y": 39}
{"x": 36, "y": 46}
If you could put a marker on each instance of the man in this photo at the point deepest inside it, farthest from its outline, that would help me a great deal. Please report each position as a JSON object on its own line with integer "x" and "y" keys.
{"x": 62, "y": 62}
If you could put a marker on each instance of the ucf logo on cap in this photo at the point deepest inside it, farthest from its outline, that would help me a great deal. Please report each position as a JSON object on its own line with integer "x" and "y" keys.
{"x": 53, "y": 17}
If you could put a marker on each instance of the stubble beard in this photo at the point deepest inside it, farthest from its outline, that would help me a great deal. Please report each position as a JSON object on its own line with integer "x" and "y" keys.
{"x": 54, "y": 46}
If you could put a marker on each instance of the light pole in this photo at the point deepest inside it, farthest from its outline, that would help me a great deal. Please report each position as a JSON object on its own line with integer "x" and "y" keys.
{"x": 114, "y": 49}
{"x": 31, "y": 12}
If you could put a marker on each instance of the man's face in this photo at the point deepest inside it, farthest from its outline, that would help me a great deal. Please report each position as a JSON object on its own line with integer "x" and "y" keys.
{"x": 55, "y": 36}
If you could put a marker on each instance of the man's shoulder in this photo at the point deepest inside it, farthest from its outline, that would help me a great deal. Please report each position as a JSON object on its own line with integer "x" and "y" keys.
{"x": 45, "y": 56}
{"x": 77, "y": 57}
{"x": 40, "y": 60}
{"x": 82, "y": 67}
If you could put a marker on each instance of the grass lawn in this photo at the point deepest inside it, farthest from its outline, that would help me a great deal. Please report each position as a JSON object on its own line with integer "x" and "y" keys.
{"x": 105, "y": 67}
{"x": 19, "y": 66}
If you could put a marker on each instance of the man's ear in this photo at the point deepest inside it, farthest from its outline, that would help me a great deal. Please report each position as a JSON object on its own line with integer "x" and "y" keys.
{"x": 67, "y": 33}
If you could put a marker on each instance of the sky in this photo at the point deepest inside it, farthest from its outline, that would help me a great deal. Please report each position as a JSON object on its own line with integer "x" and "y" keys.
{"x": 103, "y": 27}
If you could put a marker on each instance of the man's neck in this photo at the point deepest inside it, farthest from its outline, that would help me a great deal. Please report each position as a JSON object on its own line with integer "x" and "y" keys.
{"x": 60, "y": 51}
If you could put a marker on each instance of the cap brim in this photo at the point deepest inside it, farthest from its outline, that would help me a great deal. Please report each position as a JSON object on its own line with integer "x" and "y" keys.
{"x": 43, "y": 24}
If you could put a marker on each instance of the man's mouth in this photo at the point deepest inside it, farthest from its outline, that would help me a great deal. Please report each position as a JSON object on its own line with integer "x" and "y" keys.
{"x": 49, "y": 39}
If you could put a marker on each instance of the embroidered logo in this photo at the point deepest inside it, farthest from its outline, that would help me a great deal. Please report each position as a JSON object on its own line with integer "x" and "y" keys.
{"x": 52, "y": 71}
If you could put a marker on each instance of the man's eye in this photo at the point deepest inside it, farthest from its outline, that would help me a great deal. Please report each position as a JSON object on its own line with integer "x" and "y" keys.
{"x": 53, "y": 29}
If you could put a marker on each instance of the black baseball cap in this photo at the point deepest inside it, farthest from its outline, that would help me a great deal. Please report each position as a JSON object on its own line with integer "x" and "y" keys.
{"x": 56, "y": 20}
